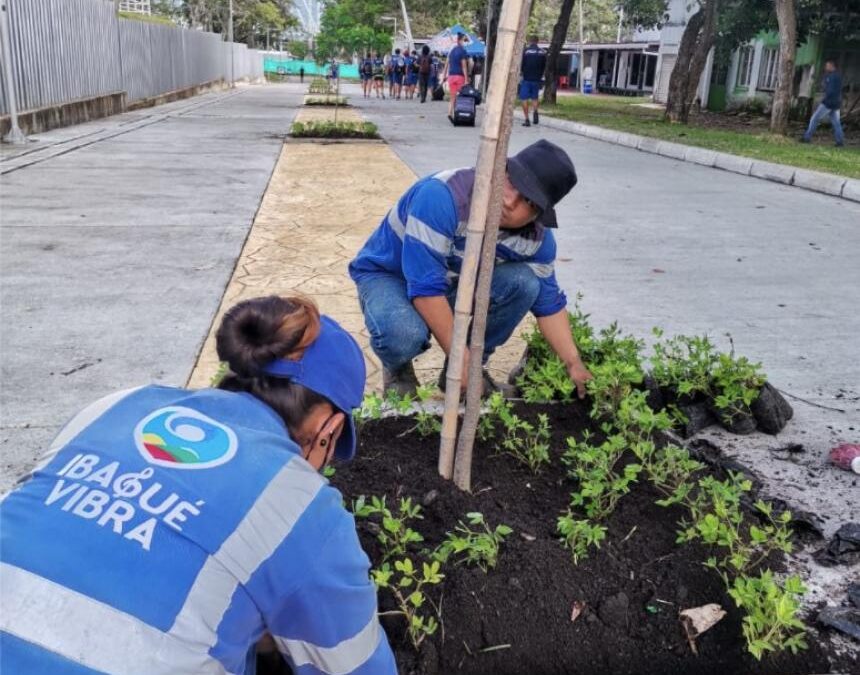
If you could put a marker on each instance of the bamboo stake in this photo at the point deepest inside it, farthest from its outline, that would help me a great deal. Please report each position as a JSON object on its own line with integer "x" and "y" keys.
{"x": 466, "y": 442}
{"x": 489, "y": 177}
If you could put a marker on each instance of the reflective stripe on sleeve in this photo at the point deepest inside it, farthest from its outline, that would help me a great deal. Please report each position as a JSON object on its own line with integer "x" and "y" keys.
{"x": 340, "y": 659}
{"x": 542, "y": 270}
{"x": 421, "y": 231}
{"x": 264, "y": 527}
{"x": 395, "y": 223}
{"x": 89, "y": 632}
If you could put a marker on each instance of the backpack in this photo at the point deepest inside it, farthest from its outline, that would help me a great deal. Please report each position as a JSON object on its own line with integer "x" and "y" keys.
{"x": 367, "y": 67}
{"x": 424, "y": 65}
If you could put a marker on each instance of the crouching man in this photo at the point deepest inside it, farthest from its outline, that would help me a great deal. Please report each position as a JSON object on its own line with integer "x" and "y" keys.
{"x": 407, "y": 272}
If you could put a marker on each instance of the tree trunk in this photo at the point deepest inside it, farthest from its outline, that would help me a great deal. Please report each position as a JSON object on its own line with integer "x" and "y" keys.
{"x": 786, "y": 15}
{"x": 698, "y": 38}
{"x": 559, "y": 33}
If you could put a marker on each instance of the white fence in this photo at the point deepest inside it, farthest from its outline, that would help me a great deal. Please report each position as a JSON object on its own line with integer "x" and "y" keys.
{"x": 66, "y": 50}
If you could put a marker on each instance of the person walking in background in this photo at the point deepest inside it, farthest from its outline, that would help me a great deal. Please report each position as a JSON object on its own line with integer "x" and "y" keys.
{"x": 407, "y": 73}
{"x": 302, "y": 75}
{"x": 830, "y": 106}
{"x": 425, "y": 67}
{"x": 396, "y": 77}
{"x": 531, "y": 69}
{"x": 412, "y": 76}
{"x": 435, "y": 70}
{"x": 389, "y": 75}
{"x": 456, "y": 72}
{"x": 379, "y": 76}
{"x": 366, "y": 73}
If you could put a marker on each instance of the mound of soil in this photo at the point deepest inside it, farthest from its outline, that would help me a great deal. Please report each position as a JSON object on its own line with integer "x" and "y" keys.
{"x": 517, "y": 618}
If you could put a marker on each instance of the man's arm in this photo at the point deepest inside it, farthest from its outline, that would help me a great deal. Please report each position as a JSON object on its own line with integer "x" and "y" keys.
{"x": 464, "y": 66}
{"x": 556, "y": 329}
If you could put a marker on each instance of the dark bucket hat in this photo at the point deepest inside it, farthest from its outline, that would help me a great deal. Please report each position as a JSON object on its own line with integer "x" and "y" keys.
{"x": 542, "y": 173}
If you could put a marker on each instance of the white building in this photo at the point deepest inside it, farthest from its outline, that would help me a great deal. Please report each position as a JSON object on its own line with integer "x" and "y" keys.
{"x": 137, "y": 6}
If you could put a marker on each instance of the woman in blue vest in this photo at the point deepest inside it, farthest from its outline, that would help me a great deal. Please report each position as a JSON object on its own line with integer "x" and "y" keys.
{"x": 168, "y": 530}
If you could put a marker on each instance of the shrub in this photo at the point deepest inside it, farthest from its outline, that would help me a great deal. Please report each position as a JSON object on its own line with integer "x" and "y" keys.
{"x": 327, "y": 129}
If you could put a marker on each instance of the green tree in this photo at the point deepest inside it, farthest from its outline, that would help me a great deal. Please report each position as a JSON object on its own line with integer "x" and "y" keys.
{"x": 298, "y": 48}
{"x": 352, "y": 26}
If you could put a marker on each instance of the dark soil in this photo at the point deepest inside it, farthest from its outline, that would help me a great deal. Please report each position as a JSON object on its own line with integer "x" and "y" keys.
{"x": 633, "y": 587}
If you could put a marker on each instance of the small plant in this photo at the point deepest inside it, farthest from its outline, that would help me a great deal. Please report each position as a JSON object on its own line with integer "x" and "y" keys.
{"x": 371, "y": 407}
{"x": 771, "y": 623}
{"x": 426, "y": 423}
{"x": 600, "y": 485}
{"x": 402, "y": 405}
{"x": 475, "y": 547}
{"x": 327, "y": 129}
{"x": 579, "y": 535}
{"x": 329, "y": 471}
{"x": 737, "y": 383}
{"x": 683, "y": 364}
{"x": 613, "y": 382}
{"x": 525, "y": 441}
{"x": 325, "y": 100}
{"x": 408, "y": 588}
{"x": 395, "y": 535}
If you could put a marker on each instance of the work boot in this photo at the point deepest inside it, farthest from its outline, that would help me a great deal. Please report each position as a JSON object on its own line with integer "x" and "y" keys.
{"x": 535, "y": 117}
{"x": 490, "y": 385}
{"x": 402, "y": 381}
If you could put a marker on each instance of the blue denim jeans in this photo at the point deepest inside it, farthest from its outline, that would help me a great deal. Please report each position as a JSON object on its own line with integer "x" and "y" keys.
{"x": 820, "y": 113}
{"x": 398, "y": 333}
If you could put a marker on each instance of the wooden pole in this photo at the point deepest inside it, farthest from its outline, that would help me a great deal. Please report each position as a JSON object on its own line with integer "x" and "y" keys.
{"x": 485, "y": 212}
{"x": 466, "y": 442}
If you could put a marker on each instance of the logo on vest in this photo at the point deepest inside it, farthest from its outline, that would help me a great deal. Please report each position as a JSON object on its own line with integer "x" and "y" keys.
{"x": 182, "y": 438}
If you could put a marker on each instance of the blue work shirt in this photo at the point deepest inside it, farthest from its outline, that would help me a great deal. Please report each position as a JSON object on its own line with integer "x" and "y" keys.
{"x": 166, "y": 531}
{"x": 833, "y": 91}
{"x": 455, "y": 60}
{"x": 423, "y": 237}
{"x": 533, "y": 63}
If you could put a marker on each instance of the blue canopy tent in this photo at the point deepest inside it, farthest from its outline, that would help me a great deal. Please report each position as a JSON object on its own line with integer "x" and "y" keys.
{"x": 444, "y": 42}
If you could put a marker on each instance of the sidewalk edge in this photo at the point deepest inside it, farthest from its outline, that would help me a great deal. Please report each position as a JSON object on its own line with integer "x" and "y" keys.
{"x": 817, "y": 181}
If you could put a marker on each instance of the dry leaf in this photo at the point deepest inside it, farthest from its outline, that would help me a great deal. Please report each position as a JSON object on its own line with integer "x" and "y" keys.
{"x": 699, "y": 619}
{"x": 576, "y": 609}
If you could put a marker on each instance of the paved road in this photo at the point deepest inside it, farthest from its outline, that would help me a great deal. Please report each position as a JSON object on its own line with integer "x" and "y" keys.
{"x": 115, "y": 253}
{"x": 652, "y": 241}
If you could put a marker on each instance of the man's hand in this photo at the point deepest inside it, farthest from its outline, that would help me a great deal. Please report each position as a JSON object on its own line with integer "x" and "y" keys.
{"x": 580, "y": 375}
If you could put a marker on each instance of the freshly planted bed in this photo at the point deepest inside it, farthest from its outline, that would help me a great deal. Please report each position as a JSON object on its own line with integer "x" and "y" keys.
{"x": 516, "y": 618}
{"x": 333, "y": 130}
{"x": 590, "y": 527}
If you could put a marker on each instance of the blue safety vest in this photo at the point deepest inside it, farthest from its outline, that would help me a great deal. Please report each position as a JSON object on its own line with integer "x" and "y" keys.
{"x": 166, "y": 531}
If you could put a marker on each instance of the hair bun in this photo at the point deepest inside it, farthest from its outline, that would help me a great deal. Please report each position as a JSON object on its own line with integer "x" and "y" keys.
{"x": 255, "y": 332}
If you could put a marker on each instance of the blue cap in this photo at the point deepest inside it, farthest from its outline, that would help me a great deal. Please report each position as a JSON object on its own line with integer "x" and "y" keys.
{"x": 332, "y": 366}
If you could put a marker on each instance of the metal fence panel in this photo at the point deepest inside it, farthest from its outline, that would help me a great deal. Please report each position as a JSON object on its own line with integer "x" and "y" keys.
{"x": 66, "y": 50}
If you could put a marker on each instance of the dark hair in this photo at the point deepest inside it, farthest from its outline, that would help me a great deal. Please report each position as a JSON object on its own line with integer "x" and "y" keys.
{"x": 425, "y": 50}
{"x": 461, "y": 36}
{"x": 254, "y": 333}
{"x": 397, "y": 51}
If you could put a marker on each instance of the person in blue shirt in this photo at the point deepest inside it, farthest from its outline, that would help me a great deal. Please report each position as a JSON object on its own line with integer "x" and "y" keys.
{"x": 456, "y": 71}
{"x": 531, "y": 70}
{"x": 435, "y": 69}
{"x": 407, "y": 73}
{"x": 412, "y": 75}
{"x": 407, "y": 271}
{"x": 168, "y": 530}
{"x": 396, "y": 74}
{"x": 366, "y": 73}
{"x": 379, "y": 76}
{"x": 830, "y": 106}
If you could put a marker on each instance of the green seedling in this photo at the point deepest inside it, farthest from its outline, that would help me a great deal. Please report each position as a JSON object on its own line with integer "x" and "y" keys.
{"x": 408, "y": 587}
{"x": 579, "y": 535}
{"x": 426, "y": 423}
{"x": 771, "y": 623}
{"x": 683, "y": 363}
{"x": 478, "y": 546}
{"x": 395, "y": 535}
{"x": 737, "y": 383}
{"x": 527, "y": 442}
{"x": 220, "y": 374}
{"x": 371, "y": 407}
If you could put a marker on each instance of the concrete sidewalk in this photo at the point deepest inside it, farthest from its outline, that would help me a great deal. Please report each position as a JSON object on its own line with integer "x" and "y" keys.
{"x": 117, "y": 244}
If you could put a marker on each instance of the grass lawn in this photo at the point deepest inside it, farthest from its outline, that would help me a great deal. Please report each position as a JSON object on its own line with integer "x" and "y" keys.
{"x": 710, "y": 131}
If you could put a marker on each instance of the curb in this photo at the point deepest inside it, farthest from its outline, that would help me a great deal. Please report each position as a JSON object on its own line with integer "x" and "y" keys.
{"x": 816, "y": 181}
